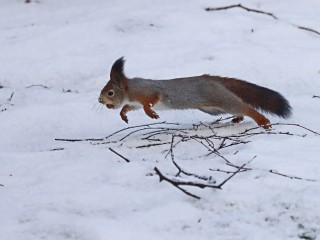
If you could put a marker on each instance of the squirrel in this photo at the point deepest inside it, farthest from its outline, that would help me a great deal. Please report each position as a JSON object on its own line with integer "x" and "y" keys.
{"x": 210, "y": 94}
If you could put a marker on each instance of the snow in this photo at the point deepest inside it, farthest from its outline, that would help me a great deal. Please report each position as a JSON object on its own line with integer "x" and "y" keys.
{"x": 55, "y": 58}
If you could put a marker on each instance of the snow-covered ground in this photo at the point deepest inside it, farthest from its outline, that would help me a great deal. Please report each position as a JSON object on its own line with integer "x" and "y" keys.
{"x": 55, "y": 57}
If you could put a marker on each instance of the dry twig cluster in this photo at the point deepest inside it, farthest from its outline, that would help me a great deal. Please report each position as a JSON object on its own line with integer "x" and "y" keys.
{"x": 170, "y": 138}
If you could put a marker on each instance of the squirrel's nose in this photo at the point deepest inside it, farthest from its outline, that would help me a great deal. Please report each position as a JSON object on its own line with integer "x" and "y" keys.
{"x": 100, "y": 100}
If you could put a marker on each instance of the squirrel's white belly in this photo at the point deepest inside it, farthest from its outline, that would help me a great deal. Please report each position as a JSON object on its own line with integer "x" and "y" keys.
{"x": 158, "y": 106}
{"x": 136, "y": 105}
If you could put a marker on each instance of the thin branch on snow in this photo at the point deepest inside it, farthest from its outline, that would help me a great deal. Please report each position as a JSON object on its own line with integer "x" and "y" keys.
{"x": 225, "y": 171}
{"x": 10, "y": 98}
{"x": 296, "y": 125}
{"x": 269, "y": 171}
{"x": 307, "y": 29}
{"x": 37, "y": 85}
{"x": 242, "y": 7}
{"x": 78, "y": 139}
{"x": 292, "y": 177}
{"x": 164, "y": 178}
{"x": 246, "y": 132}
{"x": 179, "y": 183}
{"x": 233, "y": 174}
{"x": 124, "y": 158}
{"x": 139, "y": 126}
{"x": 153, "y": 145}
{"x": 56, "y": 149}
{"x": 180, "y": 170}
{"x": 208, "y": 9}
{"x": 315, "y": 96}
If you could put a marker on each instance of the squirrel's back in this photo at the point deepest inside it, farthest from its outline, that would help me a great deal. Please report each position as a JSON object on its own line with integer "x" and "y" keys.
{"x": 190, "y": 92}
{"x": 182, "y": 93}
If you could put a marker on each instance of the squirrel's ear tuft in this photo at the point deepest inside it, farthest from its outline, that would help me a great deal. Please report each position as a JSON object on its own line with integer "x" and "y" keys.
{"x": 117, "y": 68}
{"x": 117, "y": 74}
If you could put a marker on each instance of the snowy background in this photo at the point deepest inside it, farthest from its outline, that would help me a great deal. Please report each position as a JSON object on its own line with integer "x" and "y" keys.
{"x": 55, "y": 57}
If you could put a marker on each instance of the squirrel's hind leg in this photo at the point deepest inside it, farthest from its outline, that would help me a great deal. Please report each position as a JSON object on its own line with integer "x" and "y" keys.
{"x": 258, "y": 118}
{"x": 148, "y": 110}
{"x": 237, "y": 107}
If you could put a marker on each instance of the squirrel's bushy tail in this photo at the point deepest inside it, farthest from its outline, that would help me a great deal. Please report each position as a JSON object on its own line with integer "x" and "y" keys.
{"x": 258, "y": 97}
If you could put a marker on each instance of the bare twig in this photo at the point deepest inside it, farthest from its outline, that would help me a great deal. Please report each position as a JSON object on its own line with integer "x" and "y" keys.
{"x": 154, "y": 130}
{"x": 162, "y": 177}
{"x": 307, "y": 29}
{"x": 269, "y": 170}
{"x": 203, "y": 178}
{"x": 260, "y": 12}
{"x": 10, "y": 98}
{"x": 296, "y": 125}
{"x": 177, "y": 183}
{"x": 132, "y": 132}
{"x": 37, "y": 85}
{"x": 242, "y": 7}
{"x": 124, "y": 158}
{"x": 232, "y": 175}
{"x": 79, "y": 140}
{"x": 225, "y": 171}
{"x": 195, "y": 184}
{"x": 139, "y": 126}
{"x": 153, "y": 145}
{"x": 291, "y": 177}
{"x": 315, "y": 96}
{"x": 56, "y": 149}
{"x": 246, "y": 132}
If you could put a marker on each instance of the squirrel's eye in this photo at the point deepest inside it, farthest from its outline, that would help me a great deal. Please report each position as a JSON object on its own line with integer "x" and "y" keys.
{"x": 110, "y": 93}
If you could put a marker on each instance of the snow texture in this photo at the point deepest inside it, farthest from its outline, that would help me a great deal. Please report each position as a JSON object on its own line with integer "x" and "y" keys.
{"x": 55, "y": 58}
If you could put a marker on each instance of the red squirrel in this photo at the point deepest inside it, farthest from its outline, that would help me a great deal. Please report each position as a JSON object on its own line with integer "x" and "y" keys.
{"x": 210, "y": 94}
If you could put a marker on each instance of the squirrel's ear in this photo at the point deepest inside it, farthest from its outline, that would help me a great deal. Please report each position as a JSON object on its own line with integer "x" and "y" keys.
{"x": 117, "y": 76}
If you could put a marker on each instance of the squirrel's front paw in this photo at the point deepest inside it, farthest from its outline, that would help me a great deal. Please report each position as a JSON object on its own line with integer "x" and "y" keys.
{"x": 124, "y": 118}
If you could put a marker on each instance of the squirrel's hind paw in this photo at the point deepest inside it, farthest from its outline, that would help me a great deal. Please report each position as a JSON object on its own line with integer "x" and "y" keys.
{"x": 153, "y": 115}
{"x": 237, "y": 119}
{"x": 267, "y": 126}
